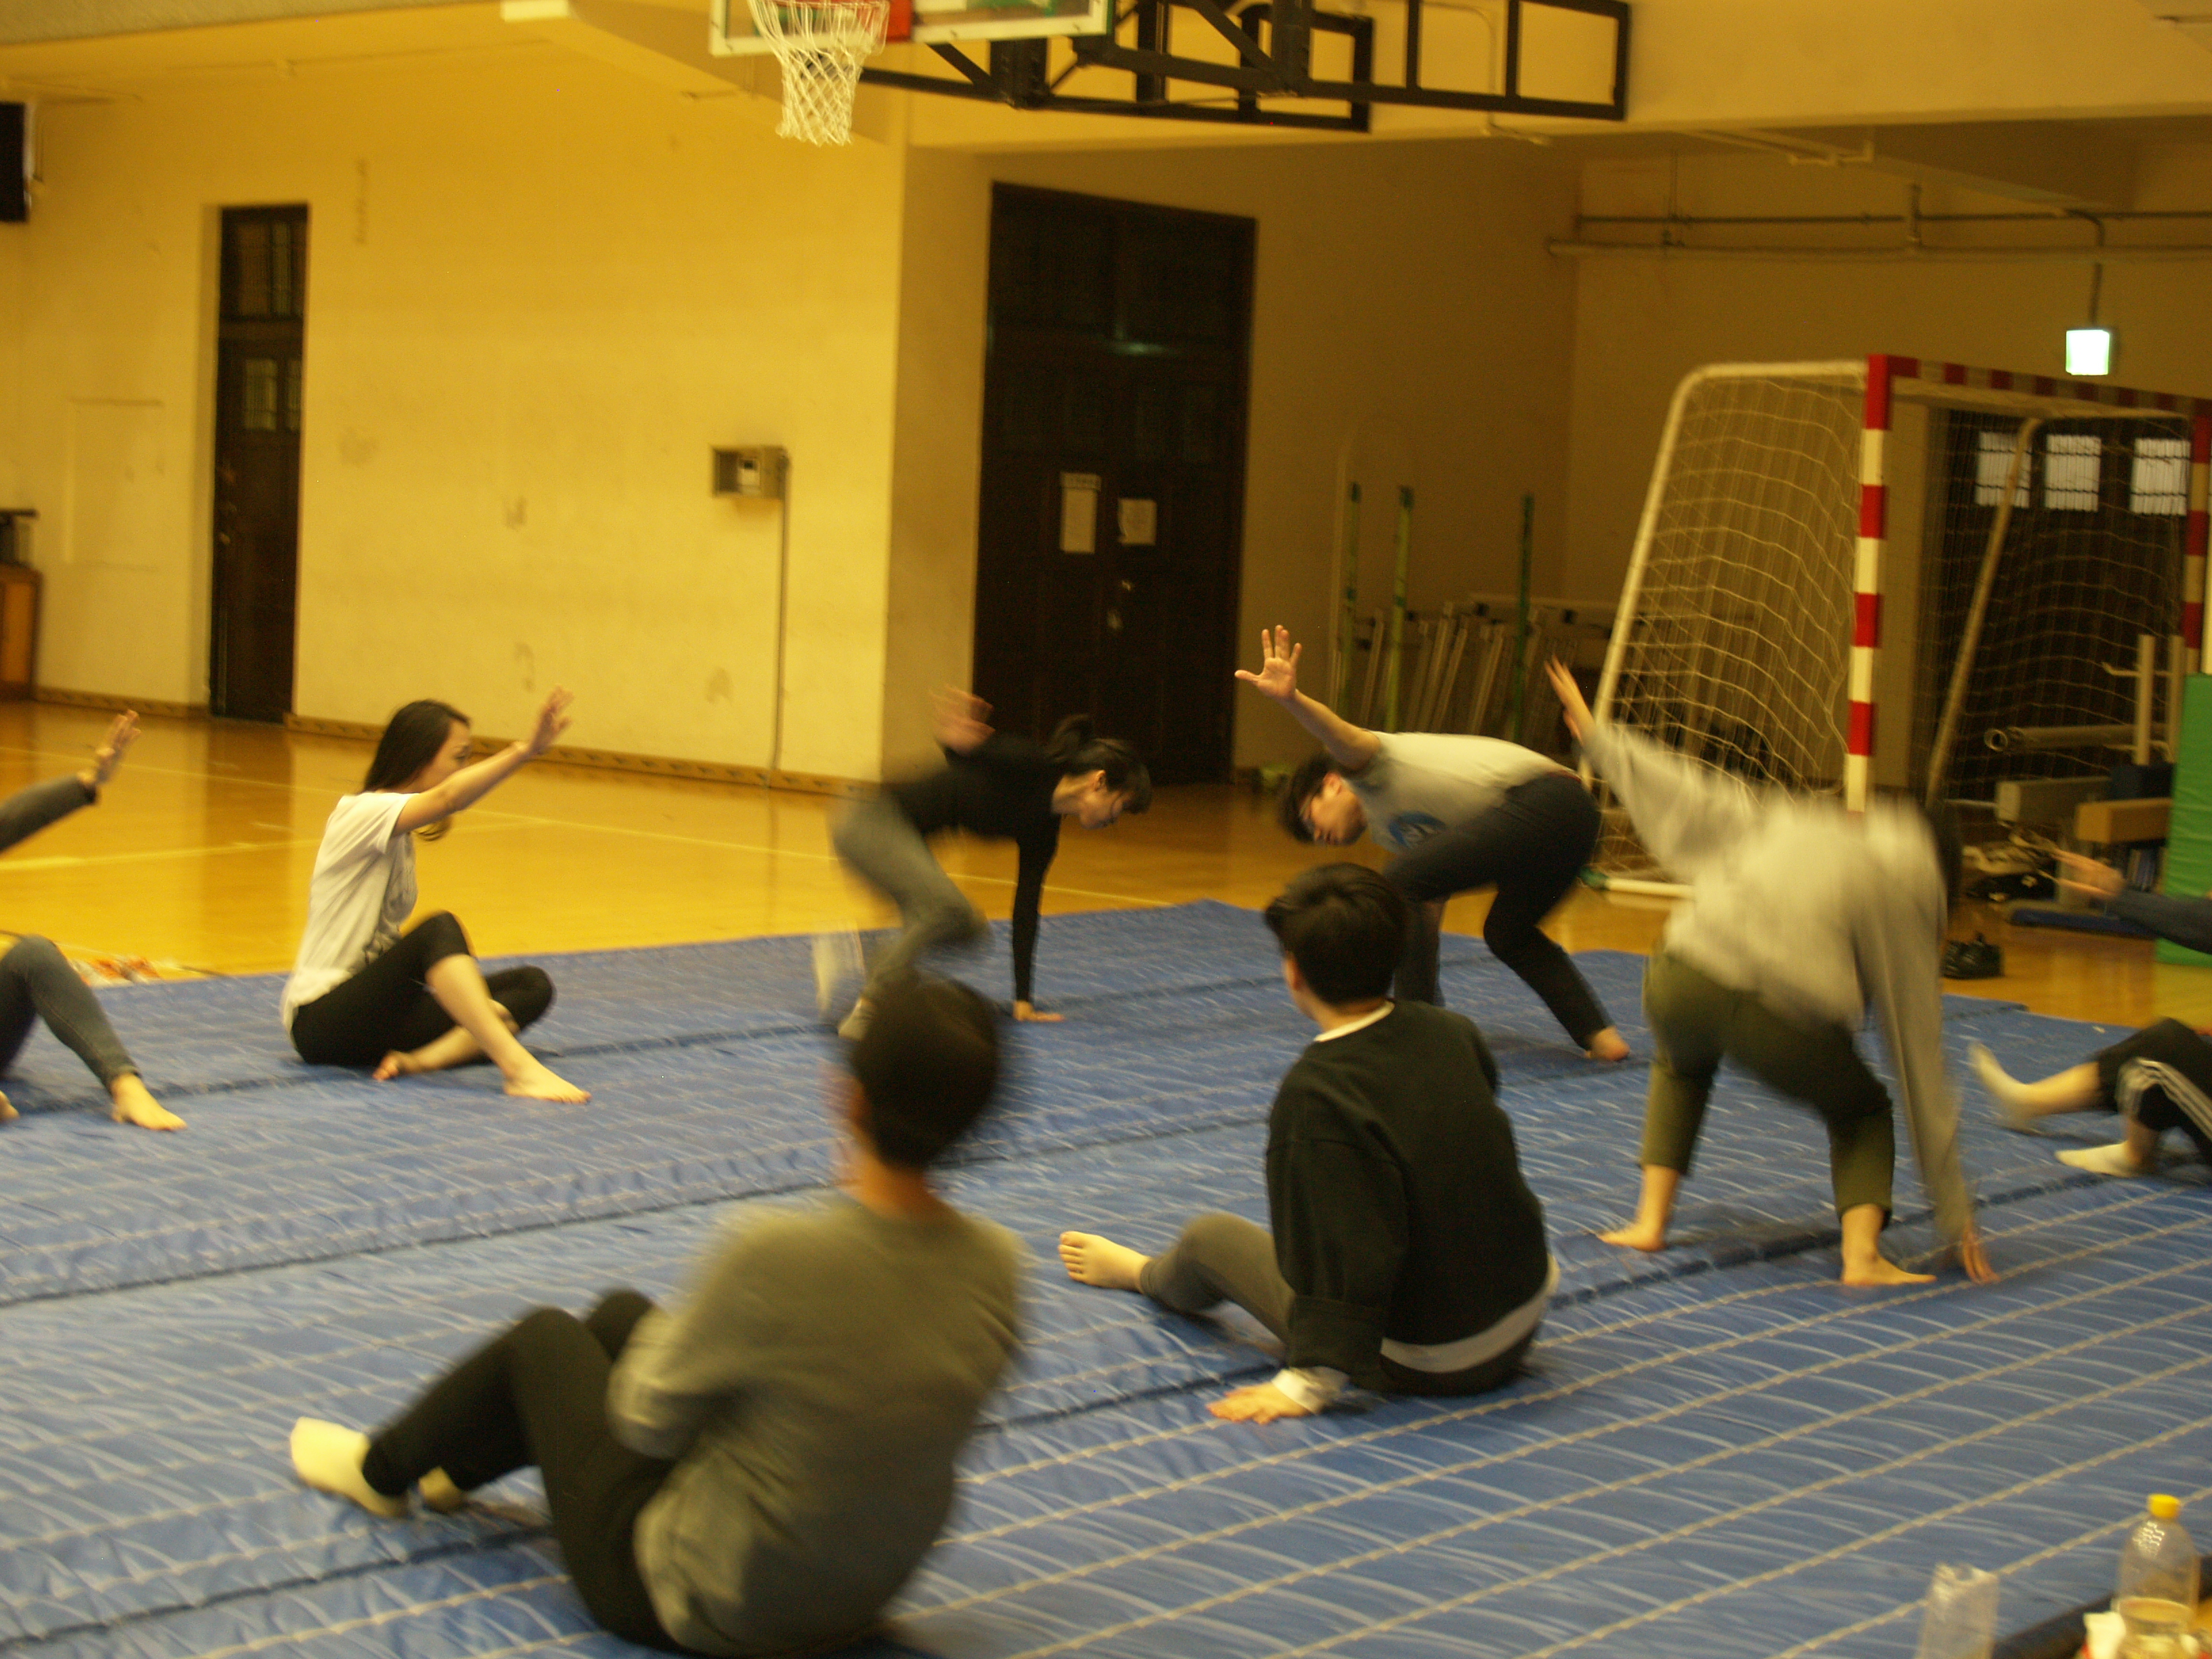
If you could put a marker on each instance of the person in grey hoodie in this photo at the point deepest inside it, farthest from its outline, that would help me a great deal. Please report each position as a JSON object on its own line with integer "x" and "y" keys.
{"x": 763, "y": 1469}
{"x": 2158, "y": 1078}
{"x": 1800, "y": 916}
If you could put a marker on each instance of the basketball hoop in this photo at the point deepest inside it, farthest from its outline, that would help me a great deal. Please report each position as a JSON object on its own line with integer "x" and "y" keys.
{"x": 821, "y": 46}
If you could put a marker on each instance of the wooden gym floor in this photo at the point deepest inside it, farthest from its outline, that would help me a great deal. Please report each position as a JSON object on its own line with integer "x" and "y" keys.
{"x": 200, "y": 854}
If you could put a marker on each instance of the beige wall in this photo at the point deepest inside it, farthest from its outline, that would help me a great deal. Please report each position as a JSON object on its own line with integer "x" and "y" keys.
{"x": 1407, "y": 323}
{"x": 540, "y": 291}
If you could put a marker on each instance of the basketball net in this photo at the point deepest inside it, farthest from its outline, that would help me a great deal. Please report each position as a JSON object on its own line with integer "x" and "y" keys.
{"x": 821, "y": 46}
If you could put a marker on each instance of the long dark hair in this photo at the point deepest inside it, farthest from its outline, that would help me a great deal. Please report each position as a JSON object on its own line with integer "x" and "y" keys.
{"x": 1076, "y": 749}
{"x": 411, "y": 740}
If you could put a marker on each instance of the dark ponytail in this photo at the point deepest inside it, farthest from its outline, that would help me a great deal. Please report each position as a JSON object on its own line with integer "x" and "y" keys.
{"x": 411, "y": 740}
{"x": 1076, "y": 749}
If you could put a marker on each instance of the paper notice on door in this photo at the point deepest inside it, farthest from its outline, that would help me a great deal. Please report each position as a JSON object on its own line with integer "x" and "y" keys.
{"x": 1079, "y": 512}
{"x": 1139, "y": 521}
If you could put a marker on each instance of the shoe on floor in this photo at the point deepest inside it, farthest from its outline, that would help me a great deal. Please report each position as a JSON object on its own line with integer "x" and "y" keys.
{"x": 1974, "y": 958}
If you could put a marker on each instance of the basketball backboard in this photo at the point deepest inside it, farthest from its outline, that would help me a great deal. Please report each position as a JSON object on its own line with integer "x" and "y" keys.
{"x": 934, "y": 21}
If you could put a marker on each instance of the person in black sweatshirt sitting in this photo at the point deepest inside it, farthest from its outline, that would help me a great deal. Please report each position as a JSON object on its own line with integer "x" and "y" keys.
{"x": 1005, "y": 787}
{"x": 2158, "y": 1078}
{"x": 1408, "y": 1255}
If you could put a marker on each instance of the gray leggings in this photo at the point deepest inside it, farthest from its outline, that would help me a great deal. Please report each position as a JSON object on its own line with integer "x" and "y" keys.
{"x": 37, "y": 982}
{"x": 881, "y": 845}
{"x": 1225, "y": 1258}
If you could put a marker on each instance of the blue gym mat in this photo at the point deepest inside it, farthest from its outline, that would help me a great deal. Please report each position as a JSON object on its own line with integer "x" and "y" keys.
{"x": 1717, "y": 1450}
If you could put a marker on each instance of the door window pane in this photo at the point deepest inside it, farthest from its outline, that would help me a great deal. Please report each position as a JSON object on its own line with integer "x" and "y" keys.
{"x": 1993, "y": 462}
{"x": 257, "y": 403}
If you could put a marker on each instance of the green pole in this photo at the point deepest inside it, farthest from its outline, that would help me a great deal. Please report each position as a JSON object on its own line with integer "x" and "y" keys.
{"x": 1347, "y": 637}
{"x": 1398, "y": 607}
{"x": 1520, "y": 631}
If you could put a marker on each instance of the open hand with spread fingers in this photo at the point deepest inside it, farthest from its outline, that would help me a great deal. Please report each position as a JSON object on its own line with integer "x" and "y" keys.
{"x": 1572, "y": 702}
{"x": 1279, "y": 666}
{"x": 2087, "y": 875}
{"x": 122, "y": 732}
{"x": 552, "y": 720}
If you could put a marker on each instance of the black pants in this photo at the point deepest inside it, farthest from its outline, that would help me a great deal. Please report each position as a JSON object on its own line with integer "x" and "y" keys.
{"x": 2161, "y": 1077}
{"x": 1225, "y": 1258}
{"x": 37, "y": 982}
{"x": 537, "y": 1395}
{"x": 387, "y": 1005}
{"x": 1530, "y": 847}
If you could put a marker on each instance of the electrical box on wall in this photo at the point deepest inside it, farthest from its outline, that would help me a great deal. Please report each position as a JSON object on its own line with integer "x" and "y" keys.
{"x": 756, "y": 472}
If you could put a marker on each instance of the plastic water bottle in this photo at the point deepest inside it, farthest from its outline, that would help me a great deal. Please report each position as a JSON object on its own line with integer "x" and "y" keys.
{"x": 1961, "y": 1618}
{"x": 2156, "y": 1596}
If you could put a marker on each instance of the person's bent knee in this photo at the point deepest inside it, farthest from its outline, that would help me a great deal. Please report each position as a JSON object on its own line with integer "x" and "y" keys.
{"x": 526, "y": 995}
{"x": 33, "y": 951}
{"x": 437, "y": 937}
{"x": 1209, "y": 1233}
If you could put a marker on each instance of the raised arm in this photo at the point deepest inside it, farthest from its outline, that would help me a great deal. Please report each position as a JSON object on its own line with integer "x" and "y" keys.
{"x": 1685, "y": 812}
{"x": 2186, "y": 921}
{"x": 26, "y": 812}
{"x": 1351, "y": 747}
{"x": 960, "y": 720}
{"x": 472, "y": 783}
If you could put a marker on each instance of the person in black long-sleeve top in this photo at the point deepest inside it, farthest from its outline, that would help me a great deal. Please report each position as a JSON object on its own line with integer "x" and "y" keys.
{"x": 1005, "y": 787}
{"x": 37, "y": 982}
{"x": 1408, "y": 1253}
{"x": 2160, "y": 1078}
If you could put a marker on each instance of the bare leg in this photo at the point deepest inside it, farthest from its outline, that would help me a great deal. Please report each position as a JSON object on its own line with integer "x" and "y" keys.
{"x": 456, "y": 1047}
{"x": 135, "y": 1103}
{"x": 459, "y": 985}
{"x": 1863, "y": 1262}
{"x": 1654, "y": 1208}
{"x": 1091, "y": 1260}
{"x": 2074, "y": 1090}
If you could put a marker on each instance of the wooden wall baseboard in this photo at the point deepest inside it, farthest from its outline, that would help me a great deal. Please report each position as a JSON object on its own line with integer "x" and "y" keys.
{"x": 615, "y": 760}
{"x": 178, "y": 711}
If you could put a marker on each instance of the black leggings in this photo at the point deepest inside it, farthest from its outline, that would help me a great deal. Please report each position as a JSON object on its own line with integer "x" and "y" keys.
{"x": 387, "y": 1007}
{"x": 37, "y": 982}
{"x": 1531, "y": 847}
{"x": 536, "y": 1395}
{"x": 2161, "y": 1077}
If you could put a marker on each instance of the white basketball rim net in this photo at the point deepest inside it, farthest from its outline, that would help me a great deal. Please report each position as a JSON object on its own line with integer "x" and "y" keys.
{"x": 821, "y": 46}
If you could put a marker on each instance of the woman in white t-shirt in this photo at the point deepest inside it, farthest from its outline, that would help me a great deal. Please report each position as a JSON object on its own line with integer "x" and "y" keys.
{"x": 363, "y": 994}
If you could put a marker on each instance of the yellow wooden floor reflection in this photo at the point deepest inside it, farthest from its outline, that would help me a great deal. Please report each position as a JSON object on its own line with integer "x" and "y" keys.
{"x": 201, "y": 851}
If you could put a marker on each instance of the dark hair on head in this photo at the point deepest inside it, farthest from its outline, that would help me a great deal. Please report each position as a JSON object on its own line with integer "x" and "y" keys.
{"x": 927, "y": 1063}
{"x": 1344, "y": 927}
{"x": 1076, "y": 748}
{"x": 1300, "y": 787}
{"x": 411, "y": 740}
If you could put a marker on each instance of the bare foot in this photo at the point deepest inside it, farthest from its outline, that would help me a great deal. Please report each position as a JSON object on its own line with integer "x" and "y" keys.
{"x": 396, "y": 1064}
{"x": 1608, "y": 1045}
{"x": 8, "y": 1113}
{"x": 1636, "y": 1236}
{"x": 1882, "y": 1271}
{"x": 537, "y": 1082}
{"x": 135, "y": 1103}
{"x": 1091, "y": 1260}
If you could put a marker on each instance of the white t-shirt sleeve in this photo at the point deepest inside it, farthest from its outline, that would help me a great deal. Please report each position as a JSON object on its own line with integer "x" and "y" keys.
{"x": 361, "y": 827}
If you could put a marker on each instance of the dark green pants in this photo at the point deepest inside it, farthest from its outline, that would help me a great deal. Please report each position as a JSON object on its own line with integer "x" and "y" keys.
{"x": 1697, "y": 1023}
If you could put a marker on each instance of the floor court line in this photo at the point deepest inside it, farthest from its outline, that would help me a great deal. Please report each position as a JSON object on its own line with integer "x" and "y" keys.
{"x": 1494, "y": 1460}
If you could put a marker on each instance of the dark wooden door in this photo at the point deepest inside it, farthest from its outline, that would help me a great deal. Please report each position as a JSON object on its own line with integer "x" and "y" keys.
{"x": 1115, "y": 402}
{"x": 259, "y": 334}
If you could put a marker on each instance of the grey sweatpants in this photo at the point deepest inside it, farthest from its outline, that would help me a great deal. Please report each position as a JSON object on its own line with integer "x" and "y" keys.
{"x": 37, "y": 982}
{"x": 1225, "y": 1258}
{"x": 880, "y": 844}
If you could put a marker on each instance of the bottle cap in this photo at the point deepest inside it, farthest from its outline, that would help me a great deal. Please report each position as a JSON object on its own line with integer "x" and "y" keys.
{"x": 2165, "y": 1508}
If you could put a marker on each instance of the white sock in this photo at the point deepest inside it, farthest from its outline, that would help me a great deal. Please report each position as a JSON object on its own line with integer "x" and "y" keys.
{"x": 2113, "y": 1160}
{"x": 2010, "y": 1095}
{"x": 328, "y": 1457}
